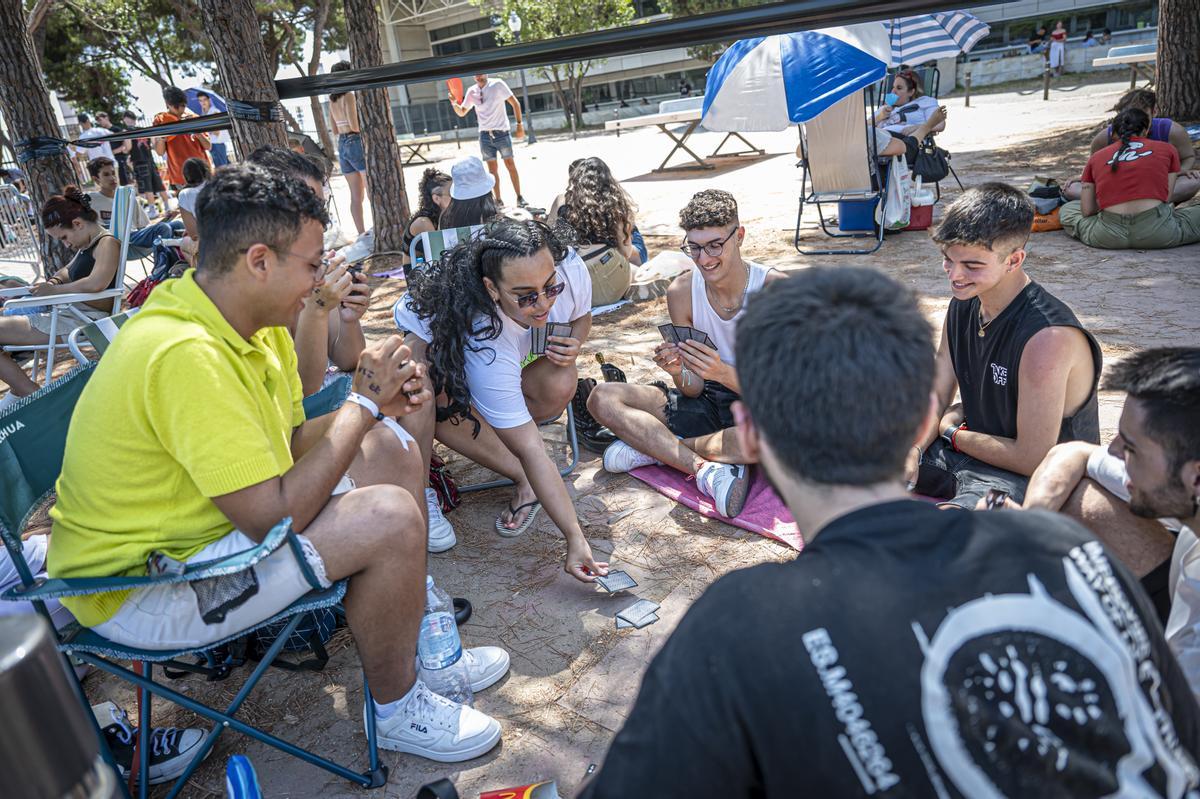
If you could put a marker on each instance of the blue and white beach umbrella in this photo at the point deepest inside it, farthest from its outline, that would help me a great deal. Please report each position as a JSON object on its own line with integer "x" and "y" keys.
{"x": 927, "y": 37}
{"x": 218, "y": 102}
{"x": 769, "y": 83}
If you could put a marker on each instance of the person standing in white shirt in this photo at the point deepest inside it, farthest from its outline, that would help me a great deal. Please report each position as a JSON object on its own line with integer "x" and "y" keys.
{"x": 488, "y": 96}
{"x": 219, "y": 138}
{"x": 88, "y": 131}
{"x": 1151, "y": 470}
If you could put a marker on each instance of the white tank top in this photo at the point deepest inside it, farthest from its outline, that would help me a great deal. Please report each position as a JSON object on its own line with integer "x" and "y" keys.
{"x": 705, "y": 318}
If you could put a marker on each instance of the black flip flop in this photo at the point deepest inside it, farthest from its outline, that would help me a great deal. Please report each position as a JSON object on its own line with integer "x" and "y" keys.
{"x": 530, "y": 518}
{"x": 462, "y": 611}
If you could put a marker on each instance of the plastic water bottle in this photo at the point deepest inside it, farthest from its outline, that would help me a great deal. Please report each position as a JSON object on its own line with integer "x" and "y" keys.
{"x": 439, "y": 649}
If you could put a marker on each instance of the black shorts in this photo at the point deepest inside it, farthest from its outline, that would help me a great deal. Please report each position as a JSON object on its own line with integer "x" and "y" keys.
{"x": 961, "y": 480}
{"x": 689, "y": 417}
{"x": 147, "y": 178}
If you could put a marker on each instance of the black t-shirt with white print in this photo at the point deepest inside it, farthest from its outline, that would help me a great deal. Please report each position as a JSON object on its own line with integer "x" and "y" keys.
{"x": 910, "y": 651}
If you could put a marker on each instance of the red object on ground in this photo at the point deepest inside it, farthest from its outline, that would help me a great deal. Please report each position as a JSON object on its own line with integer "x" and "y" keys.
{"x": 456, "y": 88}
{"x": 920, "y": 218}
{"x": 538, "y": 790}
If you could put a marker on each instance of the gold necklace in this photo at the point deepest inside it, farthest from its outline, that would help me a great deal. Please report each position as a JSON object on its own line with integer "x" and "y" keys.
{"x": 983, "y": 326}
{"x": 741, "y": 302}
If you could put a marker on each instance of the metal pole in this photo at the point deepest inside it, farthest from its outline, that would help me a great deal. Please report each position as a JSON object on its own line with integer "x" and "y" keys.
{"x": 1046, "y": 84}
{"x": 530, "y": 136}
{"x": 967, "y": 102}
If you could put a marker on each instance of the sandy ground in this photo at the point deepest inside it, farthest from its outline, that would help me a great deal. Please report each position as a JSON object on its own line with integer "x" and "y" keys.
{"x": 573, "y": 675}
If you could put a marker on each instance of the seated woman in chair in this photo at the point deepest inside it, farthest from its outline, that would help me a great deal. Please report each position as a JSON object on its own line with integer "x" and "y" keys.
{"x": 471, "y": 200}
{"x": 910, "y": 106}
{"x": 434, "y": 194}
{"x": 472, "y": 318}
{"x": 601, "y": 214}
{"x": 1125, "y": 202}
{"x": 69, "y": 218}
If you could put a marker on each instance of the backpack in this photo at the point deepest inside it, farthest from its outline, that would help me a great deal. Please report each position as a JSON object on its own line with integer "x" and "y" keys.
{"x": 611, "y": 273}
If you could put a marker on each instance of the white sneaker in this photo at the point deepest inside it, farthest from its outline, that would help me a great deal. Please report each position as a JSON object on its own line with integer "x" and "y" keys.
{"x": 727, "y": 485}
{"x": 485, "y": 666}
{"x": 436, "y": 728}
{"x": 441, "y": 533}
{"x": 620, "y": 457}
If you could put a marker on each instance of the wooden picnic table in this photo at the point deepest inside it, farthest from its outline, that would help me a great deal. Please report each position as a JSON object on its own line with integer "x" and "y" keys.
{"x": 413, "y": 146}
{"x": 1139, "y": 63}
{"x": 690, "y": 118}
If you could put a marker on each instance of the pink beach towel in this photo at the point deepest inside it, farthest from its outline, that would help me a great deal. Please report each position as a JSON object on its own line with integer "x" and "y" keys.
{"x": 764, "y": 512}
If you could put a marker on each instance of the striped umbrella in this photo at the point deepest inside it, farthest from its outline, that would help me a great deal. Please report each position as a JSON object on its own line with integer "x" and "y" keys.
{"x": 927, "y": 37}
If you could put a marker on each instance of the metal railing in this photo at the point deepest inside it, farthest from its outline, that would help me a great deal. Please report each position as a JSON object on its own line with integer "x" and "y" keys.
{"x": 19, "y": 242}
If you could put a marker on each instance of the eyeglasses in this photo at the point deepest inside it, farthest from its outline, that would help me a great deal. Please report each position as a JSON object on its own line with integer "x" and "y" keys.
{"x": 323, "y": 266}
{"x": 712, "y": 248}
{"x": 529, "y": 300}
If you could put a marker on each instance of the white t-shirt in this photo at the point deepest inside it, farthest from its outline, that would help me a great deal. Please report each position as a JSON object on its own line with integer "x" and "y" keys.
{"x": 494, "y": 371}
{"x": 104, "y": 150}
{"x": 187, "y": 198}
{"x": 909, "y": 114}
{"x": 489, "y": 104}
{"x": 103, "y": 206}
{"x": 1183, "y": 622}
{"x": 217, "y": 136}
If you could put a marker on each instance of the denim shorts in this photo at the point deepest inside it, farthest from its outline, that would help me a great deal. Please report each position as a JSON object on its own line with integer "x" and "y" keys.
{"x": 350, "y": 153}
{"x": 493, "y": 142}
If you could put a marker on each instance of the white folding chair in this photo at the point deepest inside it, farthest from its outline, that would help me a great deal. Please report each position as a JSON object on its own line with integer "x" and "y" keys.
{"x": 18, "y": 239}
{"x": 435, "y": 242}
{"x": 837, "y": 154}
{"x": 64, "y": 309}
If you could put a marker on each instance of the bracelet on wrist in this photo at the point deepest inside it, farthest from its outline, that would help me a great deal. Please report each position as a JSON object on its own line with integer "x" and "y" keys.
{"x": 954, "y": 435}
{"x": 365, "y": 402}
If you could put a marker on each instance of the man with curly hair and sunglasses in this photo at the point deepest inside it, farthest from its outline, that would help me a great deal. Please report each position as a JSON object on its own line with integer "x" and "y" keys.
{"x": 690, "y": 426}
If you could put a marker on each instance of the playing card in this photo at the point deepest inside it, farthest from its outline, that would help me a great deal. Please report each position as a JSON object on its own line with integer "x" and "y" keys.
{"x": 668, "y": 333}
{"x": 637, "y": 611}
{"x": 538, "y": 345}
{"x": 622, "y": 624}
{"x": 702, "y": 337}
{"x": 616, "y": 581}
{"x": 559, "y": 329}
{"x": 683, "y": 333}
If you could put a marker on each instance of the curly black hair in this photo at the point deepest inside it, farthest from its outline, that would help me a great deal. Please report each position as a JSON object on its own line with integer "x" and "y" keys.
{"x": 243, "y": 205}
{"x": 431, "y": 178}
{"x": 451, "y": 295}
{"x": 1125, "y": 125}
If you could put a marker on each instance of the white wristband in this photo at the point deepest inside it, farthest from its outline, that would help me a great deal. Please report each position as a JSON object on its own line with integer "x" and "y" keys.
{"x": 369, "y": 404}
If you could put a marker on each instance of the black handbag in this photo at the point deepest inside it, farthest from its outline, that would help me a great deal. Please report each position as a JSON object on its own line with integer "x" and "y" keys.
{"x": 932, "y": 163}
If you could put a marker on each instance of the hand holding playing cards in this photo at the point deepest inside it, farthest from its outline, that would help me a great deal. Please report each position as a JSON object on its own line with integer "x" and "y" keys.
{"x": 668, "y": 359}
{"x": 704, "y": 361}
{"x": 580, "y": 563}
{"x": 388, "y": 376}
{"x": 563, "y": 350}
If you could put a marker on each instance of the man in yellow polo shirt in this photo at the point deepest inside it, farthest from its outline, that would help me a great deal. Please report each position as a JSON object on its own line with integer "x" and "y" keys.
{"x": 190, "y": 443}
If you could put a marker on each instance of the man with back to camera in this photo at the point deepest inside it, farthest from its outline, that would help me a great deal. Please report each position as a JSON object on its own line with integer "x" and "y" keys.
{"x": 907, "y": 651}
{"x": 1024, "y": 366}
{"x": 488, "y": 96}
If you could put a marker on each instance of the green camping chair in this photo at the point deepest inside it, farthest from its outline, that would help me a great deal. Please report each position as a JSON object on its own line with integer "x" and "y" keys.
{"x": 435, "y": 242}
{"x": 99, "y": 334}
{"x": 33, "y": 437}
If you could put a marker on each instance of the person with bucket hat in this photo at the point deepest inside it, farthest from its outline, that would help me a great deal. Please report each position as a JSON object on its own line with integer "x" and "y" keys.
{"x": 471, "y": 199}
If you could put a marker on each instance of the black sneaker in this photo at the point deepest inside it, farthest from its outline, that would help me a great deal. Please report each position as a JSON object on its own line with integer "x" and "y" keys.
{"x": 594, "y": 435}
{"x": 171, "y": 748}
{"x": 521, "y": 202}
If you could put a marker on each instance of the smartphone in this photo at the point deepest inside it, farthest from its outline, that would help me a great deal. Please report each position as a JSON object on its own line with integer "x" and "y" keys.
{"x": 994, "y": 499}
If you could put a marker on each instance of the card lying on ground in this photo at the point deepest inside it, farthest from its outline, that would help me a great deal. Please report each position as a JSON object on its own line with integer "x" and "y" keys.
{"x": 616, "y": 581}
{"x": 645, "y": 621}
{"x": 637, "y": 611}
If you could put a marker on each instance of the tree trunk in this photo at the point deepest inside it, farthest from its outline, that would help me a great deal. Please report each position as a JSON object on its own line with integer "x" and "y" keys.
{"x": 320, "y": 17}
{"x": 385, "y": 178}
{"x": 25, "y": 105}
{"x": 1179, "y": 59}
{"x": 233, "y": 33}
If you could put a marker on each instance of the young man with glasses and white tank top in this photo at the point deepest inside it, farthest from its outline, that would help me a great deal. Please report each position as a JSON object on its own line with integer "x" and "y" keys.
{"x": 691, "y": 428}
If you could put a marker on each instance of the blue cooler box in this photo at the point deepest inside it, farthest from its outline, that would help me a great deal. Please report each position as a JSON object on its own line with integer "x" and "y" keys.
{"x": 857, "y": 215}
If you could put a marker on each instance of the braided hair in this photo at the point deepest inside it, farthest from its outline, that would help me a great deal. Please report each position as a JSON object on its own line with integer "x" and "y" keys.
{"x": 1125, "y": 125}
{"x": 451, "y": 295}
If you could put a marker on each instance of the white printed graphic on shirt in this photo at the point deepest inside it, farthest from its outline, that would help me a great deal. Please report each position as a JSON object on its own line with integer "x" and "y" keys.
{"x": 1019, "y": 686}
{"x": 999, "y": 375}
{"x": 1131, "y": 153}
{"x": 862, "y": 746}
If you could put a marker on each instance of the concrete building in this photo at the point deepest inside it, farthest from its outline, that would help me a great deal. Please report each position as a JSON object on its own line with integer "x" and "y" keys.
{"x": 421, "y": 28}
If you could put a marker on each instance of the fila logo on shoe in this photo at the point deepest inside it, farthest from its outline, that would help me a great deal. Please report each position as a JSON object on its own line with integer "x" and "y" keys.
{"x": 9, "y": 429}
{"x": 421, "y": 728}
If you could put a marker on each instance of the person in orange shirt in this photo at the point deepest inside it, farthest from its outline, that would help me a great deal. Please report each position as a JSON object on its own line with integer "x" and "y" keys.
{"x": 180, "y": 148}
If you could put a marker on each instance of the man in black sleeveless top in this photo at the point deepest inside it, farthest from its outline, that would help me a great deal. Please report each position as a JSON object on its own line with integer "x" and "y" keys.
{"x": 1004, "y": 337}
